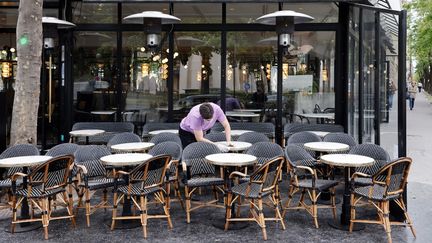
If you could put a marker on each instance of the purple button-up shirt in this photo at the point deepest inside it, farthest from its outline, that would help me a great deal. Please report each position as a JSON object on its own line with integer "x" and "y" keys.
{"x": 194, "y": 121}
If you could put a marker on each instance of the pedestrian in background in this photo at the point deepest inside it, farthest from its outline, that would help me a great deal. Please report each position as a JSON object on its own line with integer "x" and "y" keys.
{"x": 419, "y": 86}
{"x": 392, "y": 91}
{"x": 412, "y": 91}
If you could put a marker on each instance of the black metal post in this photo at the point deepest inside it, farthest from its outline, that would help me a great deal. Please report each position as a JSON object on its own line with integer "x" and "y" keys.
{"x": 341, "y": 67}
{"x": 377, "y": 79}
{"x": 360, "y": 78}
{"x": 223, "y": 59}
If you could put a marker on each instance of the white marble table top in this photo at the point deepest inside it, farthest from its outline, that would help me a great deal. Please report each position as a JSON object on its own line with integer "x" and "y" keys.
{"x": 24, "y": 161}
{"x": 239, "y": 132}
{"x": 319, "y": 133}
{"x": 132, "y": 147}
{"x": 247, "y": 110}
{"x": 86, "y": 132}
{"x": 231, "y": 159}
{"x": 326, "y": 146}
{"x": 155, "y": 132}
{"x": 347, "y": 160}
{"x": 120, "y": 160}
{"x": 237, "y": 145}
{"x": 102, "y": 112}
{"x": 319, "y": 115}
{"x": 241, "y": 114}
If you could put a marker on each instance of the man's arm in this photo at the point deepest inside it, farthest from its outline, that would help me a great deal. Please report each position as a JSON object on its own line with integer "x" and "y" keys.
{"x": 199, "y": 136}
{"x": 227, "y": 129}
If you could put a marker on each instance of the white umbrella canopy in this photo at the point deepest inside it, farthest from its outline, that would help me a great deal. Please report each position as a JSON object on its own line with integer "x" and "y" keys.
{"x": 61, "y": 24}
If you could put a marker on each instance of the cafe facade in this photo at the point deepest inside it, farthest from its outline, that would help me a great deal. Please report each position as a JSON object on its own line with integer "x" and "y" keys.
{"x": 342, "y": 61}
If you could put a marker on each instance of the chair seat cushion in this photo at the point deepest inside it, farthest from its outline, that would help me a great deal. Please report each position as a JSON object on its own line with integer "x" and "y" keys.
{"x": 253, "y": 193}
{"x": 36, "y": 192}
{"x": 376, "y": 194}
{"x": 94, "y": 184}
{"x": 363, "y": 181}
{"x": 205, "y": 181}
{"x": 320, "y": 184}
{"x": 136, "y": 190}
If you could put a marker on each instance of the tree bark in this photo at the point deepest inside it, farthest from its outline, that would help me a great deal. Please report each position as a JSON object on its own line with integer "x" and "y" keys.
{"x": 27, "y": 82}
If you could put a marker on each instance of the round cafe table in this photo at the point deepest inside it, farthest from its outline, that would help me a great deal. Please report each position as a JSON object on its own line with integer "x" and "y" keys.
{"x": 346, "y": 161}
{"x": 229, "y": 162}
{"x": 132, "y": 147}
{"x": 25, "y": 162}
{"x": 236, "y": 133}
{"x": 320, "y": 134}
{"x": 237, "y": 146}
{"x": 86, "y": 133}
{"x": 155, "y": 132}
{"x": 123, "y": 161}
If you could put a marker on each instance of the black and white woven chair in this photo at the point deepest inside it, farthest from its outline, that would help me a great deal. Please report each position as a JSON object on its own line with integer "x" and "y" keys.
{"x": 388, "y": 184}
{"x": 166, "y": 137}
{"x": 374, "y": 151}
{"x": 339, "y": 137}
{"x": 253, "y": 137}
{"x": 145, "y": 180}
{"x": 92, "y": 176}
{"x": 260, "y": 185}
{"x": 63, "y": 149}
{"x": 45, "y": 182}
{"x": 125, "y": 137}
{"x": 304, "y": 179}
{"x": 152, "y": 126}
{"x": 300, "y": 138}
{"x": 216, "y": 136}
{"x": 15, "y": 151}
{"x": 175, "y": 151}
{"x": 199, "y": 173}
{"x": 264, "y": 151}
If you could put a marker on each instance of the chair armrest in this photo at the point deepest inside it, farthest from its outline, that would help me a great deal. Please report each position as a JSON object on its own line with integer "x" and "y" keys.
{"x": 310, "y": 170}
{"x": 82, "y": 168}
{"x": 120, "y": 172}
{"x": 237, "y": 173}
{"x": 17, "y": 175}
{"x": 360, "y": 174}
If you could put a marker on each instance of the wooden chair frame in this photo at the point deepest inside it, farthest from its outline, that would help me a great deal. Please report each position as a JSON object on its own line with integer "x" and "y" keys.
{"x": 382, "y": 206}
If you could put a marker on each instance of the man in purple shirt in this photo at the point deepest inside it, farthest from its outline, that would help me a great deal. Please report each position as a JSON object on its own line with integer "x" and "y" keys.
{"x": 199, "y": 120}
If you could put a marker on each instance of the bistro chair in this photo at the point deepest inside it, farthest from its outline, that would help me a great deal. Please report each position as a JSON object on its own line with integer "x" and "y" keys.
{"x": 216, "y": 136}
{"x": 44, "y": 183}
{"x": 265, "y": 151}
{"x": 175, "y": 151}
{"x": 152, "y": 126}
{"x": 145, "y": 180}
{"x": 262, "y": 184}
{"x": 304, "y": 179}
{"x": 15, "y": 151}
{"x": 300, "y": 138}
{"x": 253, "y": 137}
{"x": 199, "y": 173}
{"x": 165, "y": 137}
{"x": 340, "y": 137}
{"x": 388, "y": 184}
{"x": 374, "y": 151}
{"x": 63, "y": 149}
{"x": 125, "y": 137}
{"x": 92, "y": 176}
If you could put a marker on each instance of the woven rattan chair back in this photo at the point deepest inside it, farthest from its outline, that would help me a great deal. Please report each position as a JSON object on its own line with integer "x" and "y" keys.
{"x": 52, "y": 174}
{"x": 216, "y": 136}
{"x": 374, "y": 151}
{"x": 194, "y": 157}
{"x": 165, "y": 137}
{"x": 297, "y": 155}
{"x": 340, "y": 137}
{"x": 150, "y": 173}
{"x": 125, "y": 137}
{"x": 18, "y": 150}
{"x": 253, "y": 137}
{"x": 89, "y": 156}
{"x": 393, "y": 176}
{"x": 267, "y": 175}
{"x": 63, "y": 149}
{"x": 303, "y": 137}
{"x": 265, "y": 151}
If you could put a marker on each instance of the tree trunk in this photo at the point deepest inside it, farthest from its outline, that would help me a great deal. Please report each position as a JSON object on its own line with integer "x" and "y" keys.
{"x": 27, "y": 82}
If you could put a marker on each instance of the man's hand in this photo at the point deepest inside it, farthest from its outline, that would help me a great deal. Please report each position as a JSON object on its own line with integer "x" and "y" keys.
{"x": 222, "y": 148}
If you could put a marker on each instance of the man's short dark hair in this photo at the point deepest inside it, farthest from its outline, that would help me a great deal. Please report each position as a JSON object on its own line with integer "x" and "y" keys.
{"x": 206, "y": 111}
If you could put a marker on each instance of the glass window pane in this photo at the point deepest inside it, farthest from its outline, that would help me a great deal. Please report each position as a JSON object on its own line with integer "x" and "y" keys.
{"x": 144, "y": 82}
{"x": 353, "y": 74}
{"x": 94, "y": 74}
{"x": 197, "y": 72}
{"x": 322, "y": 12}
{"x": 248, "y": 12}
{"x": 100, "y": 13}
{"x": 198, "y": 13}
{"x": 133, "y": 8}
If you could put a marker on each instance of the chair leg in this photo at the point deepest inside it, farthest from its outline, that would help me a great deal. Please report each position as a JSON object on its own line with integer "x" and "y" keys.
{"x": 261, "y": 218}
{"x": 287, "y": 204}
{"x": 277, "y": 212}
{"x": 228, "y": 210}
{"x": 407, "y": 217}
{"x": 68, "y": 199}
{"x": 315, "y": 208}
{"x": 166, "y": 209}
{"x": 177, "y": 192}
{"x": 79, "y": 204}
{"x": 188, "y": 204}
{"x": 386, "y": 212}
{"x": 352, "y": 213}
{"x": 333, "y": 202}
{"x": 114, "y": 211}
{"x": 168, "y": 190}
{"x": 87, "y": 206}
{"x": 45, "y": 219}
{"x": 143, "y": 213}
{"x": 105, "y": 198}
{"x": 14, "y": 213}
